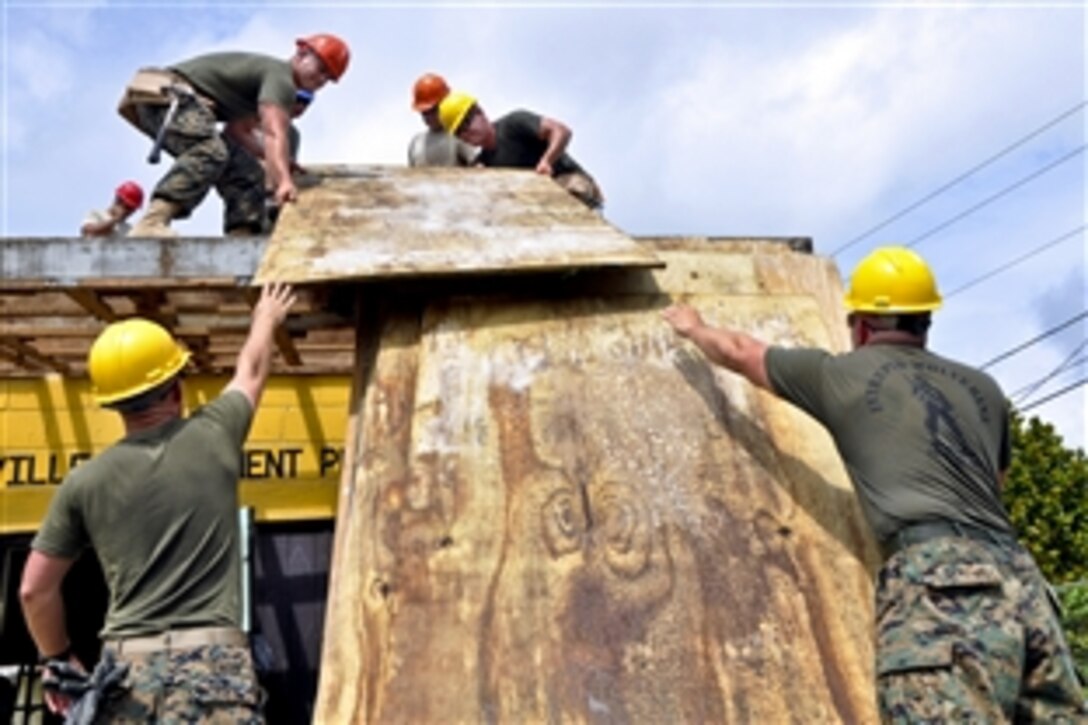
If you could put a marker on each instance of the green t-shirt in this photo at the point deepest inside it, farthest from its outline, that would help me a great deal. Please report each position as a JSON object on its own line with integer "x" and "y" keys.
{"x": 160, "y": 508}
{"x": 923, "y": 438}
{"x": 240, "y": 82}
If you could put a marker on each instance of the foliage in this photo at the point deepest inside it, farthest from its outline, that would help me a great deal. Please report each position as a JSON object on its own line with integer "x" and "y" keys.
{"x": 1047, "y": 498}
{"x": 1074, "y": 598}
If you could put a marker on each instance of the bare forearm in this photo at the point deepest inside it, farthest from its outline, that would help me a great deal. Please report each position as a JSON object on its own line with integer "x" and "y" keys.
{"x": 277, "y": 156}
{"x": 735, "y": 351}
{"x": 44, "y": 614}
{"x": 255, "y": 357}
{"x": 557, "y": 144}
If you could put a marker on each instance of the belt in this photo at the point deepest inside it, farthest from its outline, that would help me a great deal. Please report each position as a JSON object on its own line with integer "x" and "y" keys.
{"x": 929, "y": 530}
{"x": 177, "y": 639}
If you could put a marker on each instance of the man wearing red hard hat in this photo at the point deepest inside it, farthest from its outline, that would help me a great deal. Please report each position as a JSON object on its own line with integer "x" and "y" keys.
{"x": 113, "y": 221}
{"x": 181, "y": 106}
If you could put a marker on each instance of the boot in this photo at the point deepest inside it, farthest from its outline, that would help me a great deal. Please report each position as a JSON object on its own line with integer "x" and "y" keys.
{"x": 156, "y": 221}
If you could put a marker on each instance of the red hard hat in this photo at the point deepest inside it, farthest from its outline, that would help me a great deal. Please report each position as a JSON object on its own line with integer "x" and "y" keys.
{"x": 332, "y": 51}
{"x": 130, "y": 194}
{"x": 429, "y": 91}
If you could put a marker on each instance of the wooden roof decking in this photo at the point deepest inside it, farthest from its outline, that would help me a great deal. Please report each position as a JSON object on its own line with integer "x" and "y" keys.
{"x": 385, "y": 222}
{"x": 57, "y": 294}
{"x": 350, "y": 223}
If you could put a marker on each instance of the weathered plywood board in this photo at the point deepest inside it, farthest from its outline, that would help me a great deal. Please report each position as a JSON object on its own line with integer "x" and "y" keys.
{"x": 556, "y": 512}
{"x": 367, "y": 222}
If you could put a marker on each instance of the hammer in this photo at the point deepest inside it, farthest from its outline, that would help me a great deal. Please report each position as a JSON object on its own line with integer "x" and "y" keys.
{"x": 156, "y": 148}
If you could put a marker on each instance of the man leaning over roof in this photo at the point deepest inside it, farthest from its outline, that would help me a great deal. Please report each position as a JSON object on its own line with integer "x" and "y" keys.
{"x": 435, "y": 147}
{"x": 967, "y": 629}
{"x": 159, "y": 508}
{"x": 521, "y": 140}
{"x": 232, "y": 88}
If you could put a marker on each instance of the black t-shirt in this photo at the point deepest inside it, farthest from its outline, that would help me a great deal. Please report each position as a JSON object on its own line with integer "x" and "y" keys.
{"x": 518, "y": 145}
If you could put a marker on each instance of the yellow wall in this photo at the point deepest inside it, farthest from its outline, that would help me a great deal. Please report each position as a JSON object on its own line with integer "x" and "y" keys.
{"x": 292, "y": 459}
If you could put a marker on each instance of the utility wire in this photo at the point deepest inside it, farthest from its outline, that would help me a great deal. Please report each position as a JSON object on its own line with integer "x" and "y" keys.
{"x": 1022, "y": 395}
{"x": 990, "y": 199}
{"x": 1022, "y": 258}
{"x": 1016, "y": 144}
{"x": 1056, "y": 394}
{"x": 1032, "y": 341}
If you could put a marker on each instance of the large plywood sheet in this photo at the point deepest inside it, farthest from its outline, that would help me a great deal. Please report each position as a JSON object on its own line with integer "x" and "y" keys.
{"x": 367, "y": 222}
{"x": 557, "y": 512}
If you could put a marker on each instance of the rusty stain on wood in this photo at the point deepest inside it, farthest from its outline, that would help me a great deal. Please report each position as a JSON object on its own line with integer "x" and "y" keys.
{"x": 379, "y": 222}
{"x": 555, "y": 511}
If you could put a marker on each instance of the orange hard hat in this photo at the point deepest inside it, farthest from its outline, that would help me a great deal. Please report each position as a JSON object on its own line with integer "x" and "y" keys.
{"x": 332, "y": 51}
{"x": 429, "y": 91}
{"x": 130, "y": 194}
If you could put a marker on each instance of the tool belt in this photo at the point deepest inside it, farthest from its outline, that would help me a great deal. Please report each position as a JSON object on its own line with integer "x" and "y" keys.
{"x": 929, "y": 530}
{"x": 156, "y": 87}
{"x": 177, "y": 639}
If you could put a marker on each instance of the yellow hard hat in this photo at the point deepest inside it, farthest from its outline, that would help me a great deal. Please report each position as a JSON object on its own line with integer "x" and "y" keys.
{"x": 892, "y": 280}
{"x": 453, "y": 109}
{"x": 131, "y": 357}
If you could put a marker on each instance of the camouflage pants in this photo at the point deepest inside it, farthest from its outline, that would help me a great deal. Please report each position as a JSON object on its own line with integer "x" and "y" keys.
{"x": 583, "y": 188}
{"x": 209, "y": 684}
{"x": 204, "y": 158}
{"x": 968, "y": 632}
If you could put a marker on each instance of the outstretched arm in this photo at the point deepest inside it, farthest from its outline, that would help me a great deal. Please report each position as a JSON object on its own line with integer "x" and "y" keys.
{"x": 736, "y": 351}
{"x": 277, "y": 152}
{"x": 558, "y": 136}
{"x": 255, "y": 358}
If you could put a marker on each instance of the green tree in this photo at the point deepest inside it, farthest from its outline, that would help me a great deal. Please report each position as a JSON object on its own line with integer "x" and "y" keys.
{"x": 1047, "y": 497}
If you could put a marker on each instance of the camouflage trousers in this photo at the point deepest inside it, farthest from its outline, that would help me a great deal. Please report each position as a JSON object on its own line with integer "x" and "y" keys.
{"x": 969, "y": 632}
{"x": 582, "y": 187}
{"x": 208, "y": 684}
{"x": 204, "y": 158}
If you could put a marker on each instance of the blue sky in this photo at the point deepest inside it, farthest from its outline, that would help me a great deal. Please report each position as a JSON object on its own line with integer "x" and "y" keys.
{"x": 801, "y": 118}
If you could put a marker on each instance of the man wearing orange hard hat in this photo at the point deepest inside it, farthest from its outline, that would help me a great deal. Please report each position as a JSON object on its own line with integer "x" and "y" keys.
{"x": 253, "y": 95}
{"x": 434, "y": 147}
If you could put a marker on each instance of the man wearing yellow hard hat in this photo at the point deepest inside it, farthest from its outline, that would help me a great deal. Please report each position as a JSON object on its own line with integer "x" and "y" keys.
{"x": 159, "y": 508}
{"x": 435, "y": 147}
{"x": 965, "y": 629}
{"x": 519, "y": 140}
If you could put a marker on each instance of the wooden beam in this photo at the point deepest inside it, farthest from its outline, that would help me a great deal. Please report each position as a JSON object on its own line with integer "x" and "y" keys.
{"x": 89, "y": 300}
{"x": 22, "y": 351}
{"x": 66, "y": 260}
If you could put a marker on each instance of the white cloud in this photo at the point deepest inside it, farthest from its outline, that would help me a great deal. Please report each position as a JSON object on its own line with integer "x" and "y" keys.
{"x": 724, "y": 121}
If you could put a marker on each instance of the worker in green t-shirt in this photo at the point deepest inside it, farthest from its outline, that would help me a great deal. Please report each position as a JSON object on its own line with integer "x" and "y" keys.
{"x": 182, "y": 106}
{"x": 160, "y": 510}
{"x": 519, "y": 140}
{"x": 967, "y": 630}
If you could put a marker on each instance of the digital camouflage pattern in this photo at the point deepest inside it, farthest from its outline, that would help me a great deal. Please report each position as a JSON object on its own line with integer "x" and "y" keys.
{"x": 209, "y": 684}
{"x": 203, "y": 158}
{"x": 969, "y": 632}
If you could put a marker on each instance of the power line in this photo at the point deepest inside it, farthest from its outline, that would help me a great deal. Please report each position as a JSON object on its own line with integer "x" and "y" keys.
{"x": 1022, "y": 258}
{"x": 1056, "y": 394}
{"x": 990, "y": 199}
{"x": 1032, "y": 341}
{"x": 1027, "y": 391}
{"x": 1016, "y": 144}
